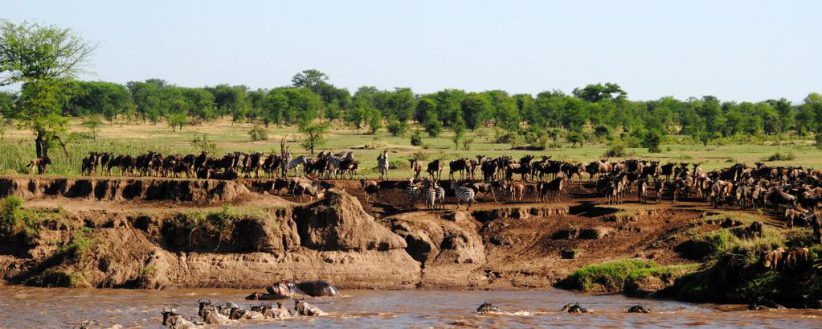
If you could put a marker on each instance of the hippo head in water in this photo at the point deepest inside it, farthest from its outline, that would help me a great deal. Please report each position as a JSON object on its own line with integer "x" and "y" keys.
{"x": 282, "y": 289}
{"x": 316, "y": 288}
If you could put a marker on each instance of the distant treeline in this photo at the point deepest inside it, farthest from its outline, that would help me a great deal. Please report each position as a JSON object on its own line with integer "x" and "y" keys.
{"x": 595, "y": 110}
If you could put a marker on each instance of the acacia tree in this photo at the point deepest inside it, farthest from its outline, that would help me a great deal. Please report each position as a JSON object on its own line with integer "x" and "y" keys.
{"x": 314, "y": 134}
{"x": 44, "y": 59}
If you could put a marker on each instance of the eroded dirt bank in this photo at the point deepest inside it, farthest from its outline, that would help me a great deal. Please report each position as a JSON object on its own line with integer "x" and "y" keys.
{"x": 136, "y": 233}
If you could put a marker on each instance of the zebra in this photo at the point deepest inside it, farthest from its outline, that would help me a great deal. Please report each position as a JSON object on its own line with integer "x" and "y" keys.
{"x": 293, "y": 164}
{"x": 412, "y": 192}
{"x": 429, "y": 194}
{"x": 382, "y": 164}
{"x": 440, "y": 195}
{"x": 463, "y": 194}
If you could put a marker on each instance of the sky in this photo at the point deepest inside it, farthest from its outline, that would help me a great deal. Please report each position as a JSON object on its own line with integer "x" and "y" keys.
{"x": 735, "y": 50}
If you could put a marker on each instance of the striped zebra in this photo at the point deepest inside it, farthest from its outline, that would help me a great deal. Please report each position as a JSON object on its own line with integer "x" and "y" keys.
{"x": 463, "y": 194}
{"x": 412, "y": 192}
{"x": 382, "y": 164}
{"x": 440, "y": 195}
{"x": 429, "y": 194}
{"x": 296, "y": 162}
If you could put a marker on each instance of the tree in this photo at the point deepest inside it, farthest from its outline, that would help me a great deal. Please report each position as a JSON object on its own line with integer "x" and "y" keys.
{"x": 44, "y": 59}
{"x": 476, "y": 108}
{"x": 176, "y": 120}
{"x": 459, "y": 132}
{"x": 652, "y": 139}
{"x": 396, "y": 127}
{"x": 311, "y": 79}
{"x": 314, "y": 134}
{"x": 93, "y": 124}
{"x": 374, "y": 120}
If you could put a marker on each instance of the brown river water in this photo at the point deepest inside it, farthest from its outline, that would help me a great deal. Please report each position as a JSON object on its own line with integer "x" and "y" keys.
{"x": 24, "y": 307}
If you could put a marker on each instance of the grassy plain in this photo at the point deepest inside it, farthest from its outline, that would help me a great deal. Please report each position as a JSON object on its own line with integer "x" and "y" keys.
{"x": 17, "y": 147}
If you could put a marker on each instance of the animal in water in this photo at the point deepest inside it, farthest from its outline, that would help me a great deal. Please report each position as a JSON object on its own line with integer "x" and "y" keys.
{"x": 575, "y": 308}
{"x": 639, "y": 309}
{"x": 174, "y": 320}
{"x": 306, "y": 309}
{"x": 488, "y": 308}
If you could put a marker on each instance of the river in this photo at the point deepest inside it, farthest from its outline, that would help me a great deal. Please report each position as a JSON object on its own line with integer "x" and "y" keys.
{"x": 24, "y": 307}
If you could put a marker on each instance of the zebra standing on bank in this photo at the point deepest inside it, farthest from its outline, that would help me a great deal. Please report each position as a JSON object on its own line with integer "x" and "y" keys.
{"x": 463, "y": 194}
{"x": 412, "y": 192}
{"x": 440, "y": 195}
{"x": 382, "y": 164}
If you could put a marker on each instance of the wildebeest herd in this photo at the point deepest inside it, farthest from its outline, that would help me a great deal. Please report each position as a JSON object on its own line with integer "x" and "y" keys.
{"x": 795, "y": 192}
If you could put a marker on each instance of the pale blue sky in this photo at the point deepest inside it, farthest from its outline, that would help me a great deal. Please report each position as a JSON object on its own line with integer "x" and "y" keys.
{"x": 736, "y": 50}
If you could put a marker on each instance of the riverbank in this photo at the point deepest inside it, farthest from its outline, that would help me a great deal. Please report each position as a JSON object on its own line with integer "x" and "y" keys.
{"x": 162, "y": 234}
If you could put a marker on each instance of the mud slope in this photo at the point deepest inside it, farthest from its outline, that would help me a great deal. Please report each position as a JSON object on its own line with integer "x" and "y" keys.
{"x": 331, "y": 239}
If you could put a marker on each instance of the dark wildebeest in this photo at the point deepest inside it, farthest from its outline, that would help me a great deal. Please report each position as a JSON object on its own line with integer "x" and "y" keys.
{"x": 554, "y": 187}
{"x": 416, "y": 167}
{"x": 459, "y": 165}
{"x": 435, "y": 169}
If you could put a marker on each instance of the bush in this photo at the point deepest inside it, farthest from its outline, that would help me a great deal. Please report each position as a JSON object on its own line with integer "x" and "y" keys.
{"x": 651, "y": 140}
{"x": 818, "y": 139}
{"x": 204, "y": 144}
{"x": 80, "y": 244}
{"x": 11, "y": 216}
{"x": 258, "y": 133}
{"x": 781, "y": 157}
{"x": 416, "y": 138}
{"x": 616, "y": 150}
{"x": 397, "y": 128}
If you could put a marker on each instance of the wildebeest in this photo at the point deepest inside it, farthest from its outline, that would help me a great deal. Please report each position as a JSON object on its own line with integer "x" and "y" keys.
{"x": 370, "y": 187}
{"x": 307, "y": 309}
{"x": 174, "y": 320}
{"x": 639, "y": 309}
{"x": 459, "y": 165}
{"x": 574, "y": 308}
{"x": 39, "y": 163}
{"x": 416, "y": 167}
{"x": 488, "y": 308}
{"x": 554, "y": 187}
{"x": 435, "y": 169}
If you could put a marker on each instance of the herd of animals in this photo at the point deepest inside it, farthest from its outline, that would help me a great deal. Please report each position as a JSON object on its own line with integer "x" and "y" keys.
{"x": 795, "y": 192}
{"x": 209, "y": 313}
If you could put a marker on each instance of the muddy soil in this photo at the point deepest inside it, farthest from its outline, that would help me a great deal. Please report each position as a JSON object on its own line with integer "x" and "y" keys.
{"x": 159, "y": 233}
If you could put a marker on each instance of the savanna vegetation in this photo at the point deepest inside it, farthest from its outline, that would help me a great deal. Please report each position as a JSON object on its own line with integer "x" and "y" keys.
{"x": 55, "y": 109}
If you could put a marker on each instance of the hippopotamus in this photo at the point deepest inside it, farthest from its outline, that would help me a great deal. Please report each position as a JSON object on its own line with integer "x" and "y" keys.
{"x": 574, "y": 308}
{"x": 488, "y": 308}
{"x": 316, "y": 288}
{"x": 639, "y": 309}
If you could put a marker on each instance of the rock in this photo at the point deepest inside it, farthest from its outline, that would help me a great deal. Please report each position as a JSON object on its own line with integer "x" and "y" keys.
{"x": 338, "y": 222}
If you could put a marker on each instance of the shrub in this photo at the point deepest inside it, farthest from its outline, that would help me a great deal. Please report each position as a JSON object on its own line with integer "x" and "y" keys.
{"x": 616, "y": 150}
{"x": 416, "y": 138}
{"x": 204, "y": 144}
{"x": 651, "y": 140}
{"x": 397, "y": 128}
{"x": 817, "y": 138}
{"x": 11, "y": 216}
{"x": 81, "y": 243}
{"x": 258, "y": 133}
{"x": 781, "y": 157}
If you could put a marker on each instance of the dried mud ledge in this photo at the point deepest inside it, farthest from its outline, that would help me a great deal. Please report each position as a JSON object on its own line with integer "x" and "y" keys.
{"x": 333, "y": 239}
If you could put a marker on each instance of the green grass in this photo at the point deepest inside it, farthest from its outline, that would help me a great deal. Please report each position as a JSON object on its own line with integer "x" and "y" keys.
{"x": 18, "y": 148}
{"x": 612, "y": 276}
